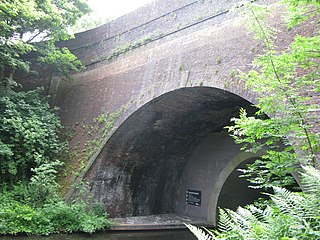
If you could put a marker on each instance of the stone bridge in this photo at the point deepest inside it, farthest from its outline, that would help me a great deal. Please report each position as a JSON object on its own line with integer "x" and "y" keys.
{"x": 164, "y": 80}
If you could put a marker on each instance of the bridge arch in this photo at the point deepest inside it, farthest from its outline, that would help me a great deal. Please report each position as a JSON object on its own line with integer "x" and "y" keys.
{"x": 152, "y": 64}
{"x": 173, "y": 144}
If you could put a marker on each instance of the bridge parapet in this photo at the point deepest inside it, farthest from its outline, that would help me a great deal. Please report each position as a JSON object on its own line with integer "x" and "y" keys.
{"x": 151, "y": 23}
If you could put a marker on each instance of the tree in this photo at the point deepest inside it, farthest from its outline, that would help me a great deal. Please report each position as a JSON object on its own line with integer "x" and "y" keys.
{"x": 286, "y": 81}
{"x": 88, "y": 22}
{"x": 23, "y": 22}
{"x": 29, "y": 144}
{"x": 28, "y": 134}
{"x": 28, "y": 127}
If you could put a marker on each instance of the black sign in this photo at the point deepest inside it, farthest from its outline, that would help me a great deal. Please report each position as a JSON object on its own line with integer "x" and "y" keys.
{"x": 193, "y": 197}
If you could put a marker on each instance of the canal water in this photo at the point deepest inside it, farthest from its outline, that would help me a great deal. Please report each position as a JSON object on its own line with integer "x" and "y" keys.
{"x": 135, "y": 235}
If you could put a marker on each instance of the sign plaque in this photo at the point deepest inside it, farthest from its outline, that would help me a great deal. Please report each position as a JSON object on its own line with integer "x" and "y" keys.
{"x": 193, "y": 197}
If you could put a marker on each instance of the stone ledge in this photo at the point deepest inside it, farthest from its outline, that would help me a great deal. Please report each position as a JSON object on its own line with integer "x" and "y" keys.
{"x": 155, "y": 222}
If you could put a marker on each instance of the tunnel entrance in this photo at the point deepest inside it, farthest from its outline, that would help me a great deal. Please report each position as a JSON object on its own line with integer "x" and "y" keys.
{"x": 236, "y": 190}
{"x": 173, "y": 145}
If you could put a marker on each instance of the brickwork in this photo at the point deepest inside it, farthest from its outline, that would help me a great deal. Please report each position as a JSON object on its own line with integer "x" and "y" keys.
{"x": 142, "y": 57}
{"x": 149, "y": 23}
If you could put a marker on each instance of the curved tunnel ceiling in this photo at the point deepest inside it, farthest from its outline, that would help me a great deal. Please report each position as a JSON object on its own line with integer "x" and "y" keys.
{"x": 144, "y": 159}
{"x": 178, "y": 117}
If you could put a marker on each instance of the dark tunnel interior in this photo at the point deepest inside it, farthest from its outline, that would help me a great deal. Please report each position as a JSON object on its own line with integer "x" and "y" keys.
{"x": 144, "y": 160}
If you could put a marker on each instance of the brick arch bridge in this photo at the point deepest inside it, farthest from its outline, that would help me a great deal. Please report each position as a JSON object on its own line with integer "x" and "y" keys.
{"x": 167, "y": 75}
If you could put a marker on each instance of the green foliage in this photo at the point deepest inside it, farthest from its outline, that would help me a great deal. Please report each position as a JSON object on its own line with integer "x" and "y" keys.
{"x": 36, "y": 208}
{"x": 200, "y": 233}
{"x": 290, "y": 215}
{"x": 301, "y": 10}
{"x": 53, "y": 216}
{"x": 29, "y": 145}
{"x": 256, "y": 15}
{"x": 88, "y": 22}
{"x": 62, "y": 60}
{"x": 285, "y": 81}
{"x": 75, "y": 217}
{"x": 43, "y": 186}
{"x": 78, "y": 159}
{"x": 29, "y": 150}
{"x": 25, "y": 21}
{"x": 28, "y": 134}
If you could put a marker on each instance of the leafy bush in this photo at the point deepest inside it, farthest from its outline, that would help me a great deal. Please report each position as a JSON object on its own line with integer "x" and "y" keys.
{"x": 19, "y": 216}
{"x": 29, "y": 148}
{"x": 15, "y": 217}
{"x": 29, "y": 145}
{"x": 75, "y": 217}
{"x": 28, "y": 134}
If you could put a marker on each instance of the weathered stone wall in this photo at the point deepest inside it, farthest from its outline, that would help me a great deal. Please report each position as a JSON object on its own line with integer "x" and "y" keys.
{"x": 158, "y": 20}
{"x": 138, "y": 171}
{"x": 206, "y": 53}
{"x": 197, "y": 56}
{"x": 207, "y": 170}
{"x": 158, "y": 51}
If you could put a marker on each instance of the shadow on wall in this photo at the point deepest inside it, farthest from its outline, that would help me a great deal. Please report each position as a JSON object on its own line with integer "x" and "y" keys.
{"x": 172, "y": 144}
{"x": 236, "y": 191}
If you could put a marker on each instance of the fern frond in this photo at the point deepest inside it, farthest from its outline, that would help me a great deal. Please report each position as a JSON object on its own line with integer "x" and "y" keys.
{"x": 226, "y": 223}
{"x": 311, "y": 207}
{"x": 311, "y": 180}
{"x": 257, "y": 213}
{"x": 242, "y": 217}
{"x": 199, "y": 233}
{"x": 267, "y": 212}
{"x": 287, "y": 201}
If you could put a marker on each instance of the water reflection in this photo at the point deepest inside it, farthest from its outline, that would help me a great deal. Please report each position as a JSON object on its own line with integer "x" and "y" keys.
{"x": 137, "y": 235}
